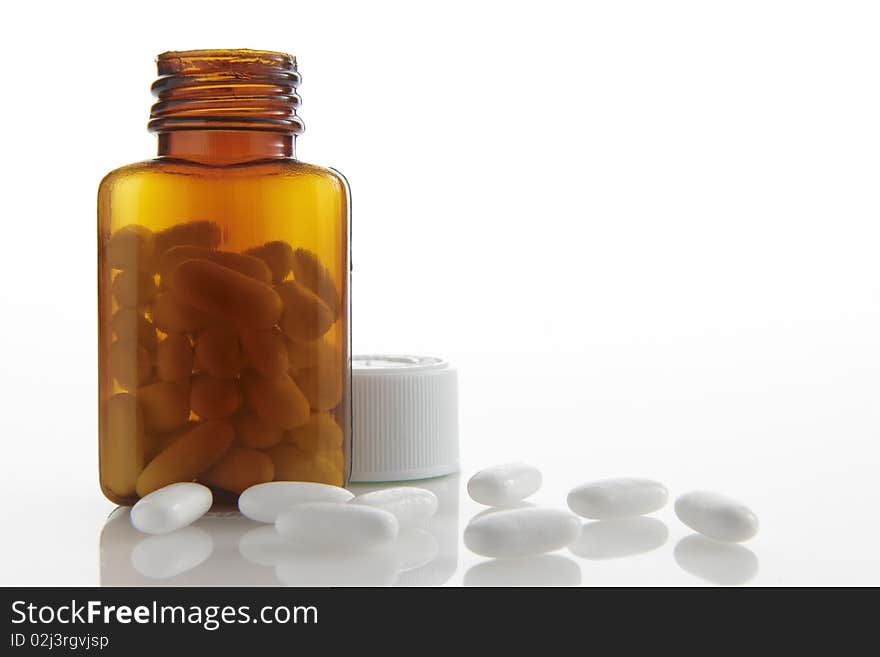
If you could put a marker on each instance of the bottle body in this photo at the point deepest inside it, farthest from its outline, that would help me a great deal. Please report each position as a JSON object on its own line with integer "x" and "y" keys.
{"x": 224, "y": 336}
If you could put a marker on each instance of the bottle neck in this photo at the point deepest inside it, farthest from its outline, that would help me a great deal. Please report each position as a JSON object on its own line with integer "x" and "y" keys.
{"x": 225, "y": 147}
{"x": 225, "y": 107}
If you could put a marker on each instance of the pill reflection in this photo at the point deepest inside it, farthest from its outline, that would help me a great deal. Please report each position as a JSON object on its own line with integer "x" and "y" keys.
{"x": 226, "y": 567}
{"x": 372, "y": 568}
{"x": 169, "y": 555}
{"x": 727, "y": 564}
{"x": 415, "y": 548}
{"x": 624, "y": 537}
{"x": 541, "y": 570}
{"x": 443, "y": 526}
{"x": 241, "y": 552}
{"x": 264, "y": 546}
{"x": 295, "y": 566}
{"x": 128, "y": 559}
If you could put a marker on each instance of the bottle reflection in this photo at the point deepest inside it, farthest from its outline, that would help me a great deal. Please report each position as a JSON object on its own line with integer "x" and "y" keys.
{"x": 541, "y": 570}
{"x": 225, "y": 549}
{"x": 728, "y": 564}
{"x": 614, "y": 539}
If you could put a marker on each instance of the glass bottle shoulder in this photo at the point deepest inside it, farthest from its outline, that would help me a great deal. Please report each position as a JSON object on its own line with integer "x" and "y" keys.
{"x": 276, "y": 168}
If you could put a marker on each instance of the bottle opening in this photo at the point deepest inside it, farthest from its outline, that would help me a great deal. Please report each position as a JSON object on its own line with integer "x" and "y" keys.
{"x": 226, "y": 90}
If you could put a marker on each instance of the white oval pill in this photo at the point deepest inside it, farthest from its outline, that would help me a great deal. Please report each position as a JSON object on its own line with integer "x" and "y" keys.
{"x": 504, "y": 484}
{"x": 617, "y": 498}
{"x": 521, "y": 532}
{"x": 716, "y": 516}
{"x": 411, "y": 506}
{"x": 264, "y": 502}
{"x": 340, "y": 526}
{"x": 171, "y": 507}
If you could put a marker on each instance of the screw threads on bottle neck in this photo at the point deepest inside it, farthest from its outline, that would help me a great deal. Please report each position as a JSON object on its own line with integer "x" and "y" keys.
{"x": 253, "y": 90}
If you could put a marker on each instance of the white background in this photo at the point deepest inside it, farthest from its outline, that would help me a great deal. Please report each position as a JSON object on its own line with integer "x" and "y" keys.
{"x": 645, "y": 232}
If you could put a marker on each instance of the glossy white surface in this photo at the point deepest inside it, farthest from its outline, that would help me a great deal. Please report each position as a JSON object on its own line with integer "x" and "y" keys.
{"x": 617, "y": 498}
{"x": 167, "y": 556}
{"x": 656, "y": 549}
{"x": 171, "y": 507}
{"x": 727, "y": 564}
{"x": 242, "y": 551}
{"x": 623, "y": 537}
{"x": 225, "y": 548}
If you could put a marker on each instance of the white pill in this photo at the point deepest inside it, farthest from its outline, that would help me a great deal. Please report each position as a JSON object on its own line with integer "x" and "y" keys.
{"x": 339, "y": 526}
{"x": 617, "y": 498}
{"x": 411, "y": 506}
{"x": 716, "y": 516}
{"x": 504, "y": 484}
{"x": 171, "y": 507}
{"x": 264, "y": 502}
{"x": 521, "y": 532}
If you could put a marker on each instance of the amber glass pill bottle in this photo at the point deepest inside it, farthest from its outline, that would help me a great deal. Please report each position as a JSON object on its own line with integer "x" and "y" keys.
{"x": 223, "y": 290}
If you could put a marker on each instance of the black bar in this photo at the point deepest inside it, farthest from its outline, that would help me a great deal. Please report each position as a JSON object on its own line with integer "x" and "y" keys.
{"x": 386, "y": 620}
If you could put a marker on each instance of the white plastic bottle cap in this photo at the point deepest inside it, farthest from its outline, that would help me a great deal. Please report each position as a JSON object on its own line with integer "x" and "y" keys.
{"x": 404, "y": 418}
